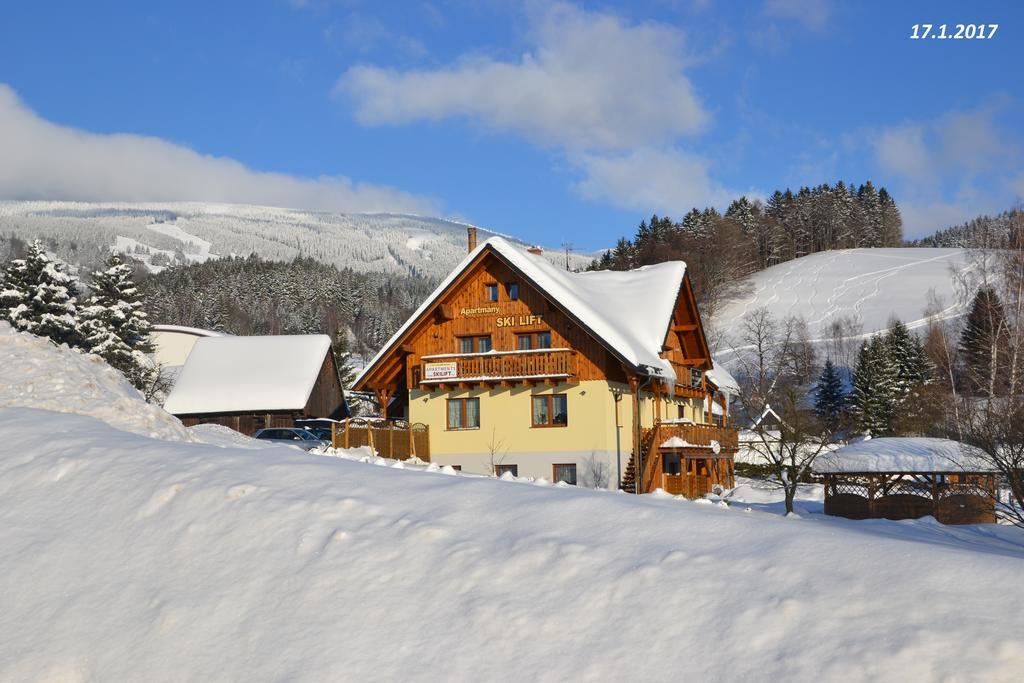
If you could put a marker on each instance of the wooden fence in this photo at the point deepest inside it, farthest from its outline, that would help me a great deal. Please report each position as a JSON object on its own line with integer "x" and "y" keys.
{"x": 396, "y": 439}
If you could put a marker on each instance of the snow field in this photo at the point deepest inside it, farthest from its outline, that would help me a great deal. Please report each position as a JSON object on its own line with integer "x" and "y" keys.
{"x": 872, "y": 285}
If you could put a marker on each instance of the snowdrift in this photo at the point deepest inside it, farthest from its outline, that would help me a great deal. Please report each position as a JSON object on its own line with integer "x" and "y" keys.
{"x": 127, "y": 557}
{"x": 37, "y": 374}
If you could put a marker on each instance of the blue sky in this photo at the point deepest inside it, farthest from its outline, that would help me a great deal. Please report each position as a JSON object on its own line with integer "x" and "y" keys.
{"x": 552, "y": 121}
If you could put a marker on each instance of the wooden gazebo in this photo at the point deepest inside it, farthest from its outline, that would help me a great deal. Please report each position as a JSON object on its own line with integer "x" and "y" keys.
{"x": 907, "y": 478}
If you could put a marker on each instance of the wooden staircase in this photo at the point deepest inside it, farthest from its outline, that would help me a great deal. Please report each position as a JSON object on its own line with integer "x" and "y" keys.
{"x": 628, "y": 483}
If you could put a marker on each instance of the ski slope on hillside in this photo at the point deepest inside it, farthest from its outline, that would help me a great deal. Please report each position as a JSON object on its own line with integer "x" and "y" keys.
{"x": 190, "y": 232}
{"x": 870, "y": 285}
{"x": 129, "y": 557}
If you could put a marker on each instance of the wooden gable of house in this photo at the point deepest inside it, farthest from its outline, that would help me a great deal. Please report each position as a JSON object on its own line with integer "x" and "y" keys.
{"x": 464, "y": 309}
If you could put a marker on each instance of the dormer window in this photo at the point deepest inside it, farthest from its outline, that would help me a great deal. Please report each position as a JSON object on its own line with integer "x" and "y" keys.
{"x": 492, "y": 292}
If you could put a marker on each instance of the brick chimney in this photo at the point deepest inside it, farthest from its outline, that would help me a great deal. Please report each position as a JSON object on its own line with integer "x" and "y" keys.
{"x": 471, "y": 234}
{"x": 535, "y": 250}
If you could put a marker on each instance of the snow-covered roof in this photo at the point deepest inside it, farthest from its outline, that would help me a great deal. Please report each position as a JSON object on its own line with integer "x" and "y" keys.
{"x": 183, "y": 329}
{"x": 722, "y": 379}
{"x": 903, "y": 454}
{"x": 765, "y": 413}
{"x": 233, "y": 374}
{"x": 630, "y": 311}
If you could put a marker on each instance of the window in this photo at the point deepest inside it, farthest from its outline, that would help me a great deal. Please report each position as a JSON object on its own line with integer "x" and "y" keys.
{"x": 671, "y": 463}
{"x": 540, "y": 340}
{"x": 502, "y": 469}
{"x": 480, "y": 344}
{"x": 492, "y": 292}
{"x": 550, "y": 411}
{"x": 513, "y": 290}
{"x": 464, "y": 413}
{"x": 457, "y": 468}
{"x": 566, "y": 473}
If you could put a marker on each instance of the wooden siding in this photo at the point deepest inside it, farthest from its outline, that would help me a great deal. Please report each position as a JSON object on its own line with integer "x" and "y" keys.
{"x": 327, "y": 399}
{"x": 244, "y": 423}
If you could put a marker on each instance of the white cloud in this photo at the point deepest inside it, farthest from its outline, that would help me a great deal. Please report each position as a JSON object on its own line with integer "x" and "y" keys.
{"x": 958, "y": 144}
{"x": 589, "y": 82}
{"x": 813, "y": 14}
{"x": 667, "y": 181}
{"x": 40, "y": 159}
{"x": 902, "y": 150}
{"x": 950, "y": 169}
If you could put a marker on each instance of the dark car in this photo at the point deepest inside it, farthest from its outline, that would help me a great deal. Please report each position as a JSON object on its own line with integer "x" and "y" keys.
{"x": 293, "y": 436}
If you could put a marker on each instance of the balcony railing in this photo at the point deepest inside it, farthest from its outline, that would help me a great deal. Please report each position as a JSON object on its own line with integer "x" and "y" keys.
{"x": 699, "y": 435}
{"x": 496, "y": 366}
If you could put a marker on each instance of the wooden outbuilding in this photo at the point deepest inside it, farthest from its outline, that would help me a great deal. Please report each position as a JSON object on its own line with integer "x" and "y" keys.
{"x": 907, "y": 478}
{"x": 248, "y": 383}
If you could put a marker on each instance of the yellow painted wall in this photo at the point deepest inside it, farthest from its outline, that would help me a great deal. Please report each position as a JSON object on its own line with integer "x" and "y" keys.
{"x": 505, "y": 418}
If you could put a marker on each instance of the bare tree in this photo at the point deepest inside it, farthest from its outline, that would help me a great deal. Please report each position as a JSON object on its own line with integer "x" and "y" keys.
{"x": 497, "y": 451}
{"x": 770, "y": 357}
{"x": 996, "y": 427}
{"x": 843, "y": 335}
{"x": 597, "y": 473}
{"x": 157, "y": 384}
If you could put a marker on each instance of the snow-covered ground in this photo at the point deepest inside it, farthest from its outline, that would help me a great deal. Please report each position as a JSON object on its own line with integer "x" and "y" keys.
{"x": 871, "y": 285}
{"x": 129, "y": 557}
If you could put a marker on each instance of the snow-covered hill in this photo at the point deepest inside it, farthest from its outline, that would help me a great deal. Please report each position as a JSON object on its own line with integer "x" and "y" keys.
{"x": 187, "y": 232}
{"x": 128, "y": 557}
{"x": 868, "y": 285}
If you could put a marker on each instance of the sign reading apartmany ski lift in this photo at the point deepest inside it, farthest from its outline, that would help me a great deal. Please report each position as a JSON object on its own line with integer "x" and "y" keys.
{"x": 501, "y": 320}
{"x": 446, "y": 370}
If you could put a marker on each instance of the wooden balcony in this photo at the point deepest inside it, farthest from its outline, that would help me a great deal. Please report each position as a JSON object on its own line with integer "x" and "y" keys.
{"x": 728, "y": 438}
{"x": 497, "y": 367}
{"x": 698, "y": 468}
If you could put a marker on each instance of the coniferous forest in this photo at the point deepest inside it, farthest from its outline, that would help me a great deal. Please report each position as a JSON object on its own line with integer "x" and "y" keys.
{"x": 720, "y": 249}
{"x": 302, "y": 296}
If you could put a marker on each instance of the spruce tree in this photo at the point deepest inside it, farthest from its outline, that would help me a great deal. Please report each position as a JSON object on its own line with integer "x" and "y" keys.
{"x": 984, "y": 343}
{"x": 874, "y": 388}
{"x": 39, "y": 296}
{"x": 829, "y": 399}
{"x": 114, "y": 324}
{"x": 908, "y": 355}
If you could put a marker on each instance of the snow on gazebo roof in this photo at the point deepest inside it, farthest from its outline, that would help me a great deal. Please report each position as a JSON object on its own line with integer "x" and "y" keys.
{"x": 630, "y": 311}
{"x": 903, "y": 454}
{"x": 235, "y": 374}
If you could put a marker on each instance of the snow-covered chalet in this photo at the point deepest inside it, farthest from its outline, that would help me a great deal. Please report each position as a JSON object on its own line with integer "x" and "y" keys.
{"x": 516, "y": 365}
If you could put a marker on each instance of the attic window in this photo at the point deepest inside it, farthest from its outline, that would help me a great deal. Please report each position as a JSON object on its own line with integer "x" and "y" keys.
{"x": 492, "y": 292}
{"x": 513, "y": 290}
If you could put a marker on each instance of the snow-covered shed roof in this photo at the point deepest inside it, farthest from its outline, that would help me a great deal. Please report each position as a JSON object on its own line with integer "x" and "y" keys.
{"x": 630, "y": 311}
{"x": 235, "y": 374}
{"x": 903, "y": 454}
{"x": 722, "y": 379}
{"x": 184, "y": 329}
